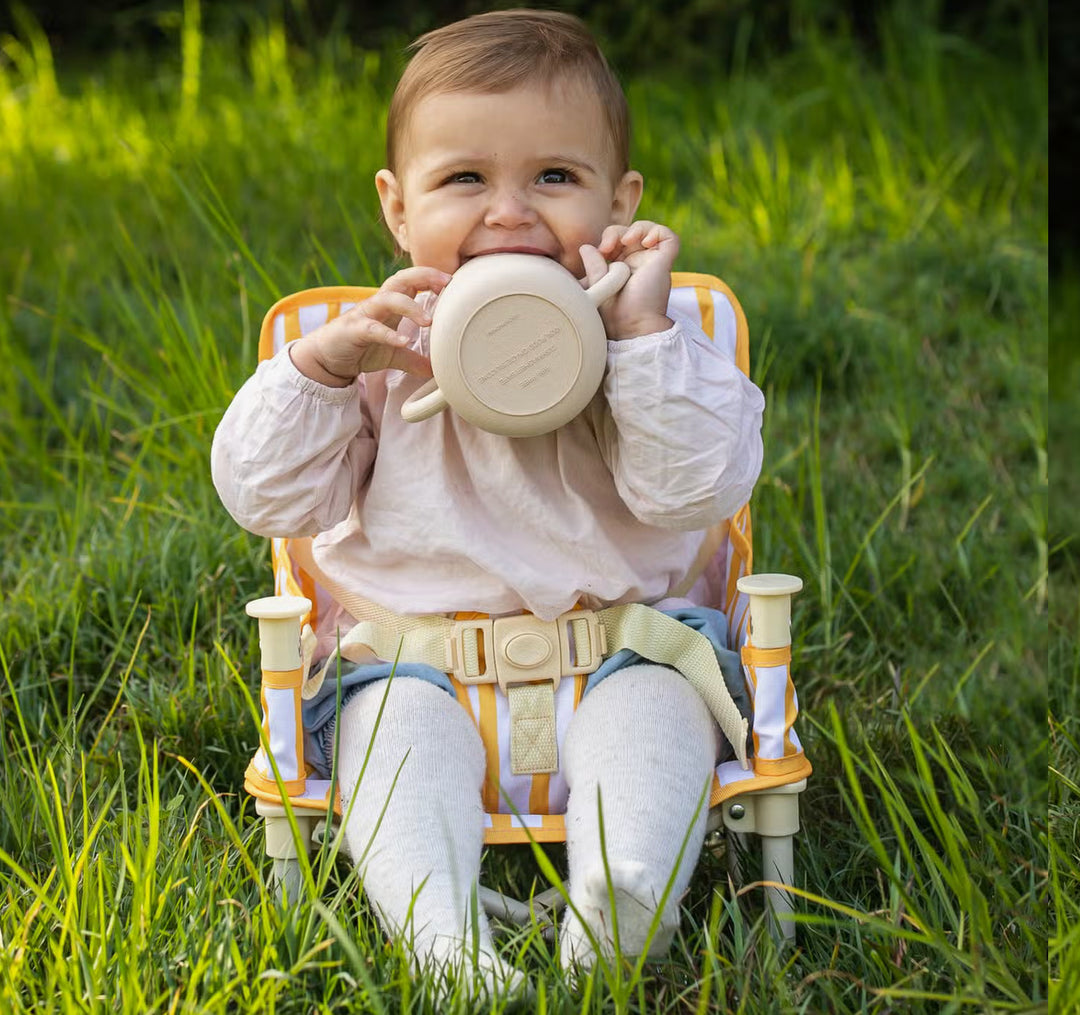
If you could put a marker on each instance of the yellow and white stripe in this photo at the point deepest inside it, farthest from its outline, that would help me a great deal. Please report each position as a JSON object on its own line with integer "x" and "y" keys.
{"x": 315, "y": 797}
{"x": 507, "y": 796}
{"x": 777, "y": 750}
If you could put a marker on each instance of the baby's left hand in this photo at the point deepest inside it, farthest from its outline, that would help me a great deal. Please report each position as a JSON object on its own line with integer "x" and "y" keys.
{"x": 640, "y": 307}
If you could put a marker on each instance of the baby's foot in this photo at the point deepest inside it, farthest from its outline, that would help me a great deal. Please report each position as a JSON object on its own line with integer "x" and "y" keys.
{"x": 635, "y": 910}
{"x": 472, "y": 977}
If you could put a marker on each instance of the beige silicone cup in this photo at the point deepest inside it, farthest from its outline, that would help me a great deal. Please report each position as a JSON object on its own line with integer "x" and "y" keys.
{"x": 517, "y": 346}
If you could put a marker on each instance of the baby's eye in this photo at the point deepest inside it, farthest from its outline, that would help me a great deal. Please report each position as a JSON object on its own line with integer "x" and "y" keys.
{"x": 556, "y": 176}
{"x": 467, "y": 177}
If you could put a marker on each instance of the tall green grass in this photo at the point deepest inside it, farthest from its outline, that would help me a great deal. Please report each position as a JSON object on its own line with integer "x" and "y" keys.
{"x": 882, "y": 218}
{"x": 1064, "y": 663}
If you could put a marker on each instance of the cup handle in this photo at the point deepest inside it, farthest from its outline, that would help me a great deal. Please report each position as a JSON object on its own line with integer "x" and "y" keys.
{"x": 610, "y": 284}
{"x": 424, "y": 402}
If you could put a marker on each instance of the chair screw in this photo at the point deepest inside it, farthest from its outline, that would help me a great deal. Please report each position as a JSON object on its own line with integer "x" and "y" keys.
{"x": 737, "y": 812}
{"x": 716, "y": 842}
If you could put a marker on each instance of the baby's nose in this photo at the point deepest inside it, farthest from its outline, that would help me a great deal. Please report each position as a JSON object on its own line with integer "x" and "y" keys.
{"x": 509, "y": 209}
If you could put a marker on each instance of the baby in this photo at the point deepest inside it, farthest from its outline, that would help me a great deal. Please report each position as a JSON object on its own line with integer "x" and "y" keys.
{"x": 507, "y": 133}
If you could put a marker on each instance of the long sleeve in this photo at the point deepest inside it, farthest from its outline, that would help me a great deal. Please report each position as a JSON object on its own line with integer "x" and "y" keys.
{"x": 290, "y": 455}
{"x": 682, "y": 434}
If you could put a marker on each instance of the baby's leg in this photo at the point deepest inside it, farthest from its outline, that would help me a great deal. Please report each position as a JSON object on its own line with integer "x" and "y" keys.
{"x": 646, "y": 742}
{"x": 420, "y": 858}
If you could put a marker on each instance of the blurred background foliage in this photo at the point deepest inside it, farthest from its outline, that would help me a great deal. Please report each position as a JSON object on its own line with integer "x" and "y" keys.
{"x": 682, "y": 34}
{"x": 1064, "y": 419}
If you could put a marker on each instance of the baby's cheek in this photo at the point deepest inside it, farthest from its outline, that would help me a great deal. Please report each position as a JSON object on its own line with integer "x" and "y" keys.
{"x": 572, "y": 263}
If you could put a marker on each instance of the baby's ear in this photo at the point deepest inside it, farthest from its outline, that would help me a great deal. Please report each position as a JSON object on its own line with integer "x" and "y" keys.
{"x": 393, "y": 205}
{"x": 626, "y": 198}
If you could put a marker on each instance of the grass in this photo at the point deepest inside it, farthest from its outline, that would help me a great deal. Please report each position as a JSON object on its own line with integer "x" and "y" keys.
{"x": 1064, "y": 705}
{"x": 884, "y": 220}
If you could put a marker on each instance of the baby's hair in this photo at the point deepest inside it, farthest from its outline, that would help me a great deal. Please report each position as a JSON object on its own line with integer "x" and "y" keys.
{"x": 497, "y": 52}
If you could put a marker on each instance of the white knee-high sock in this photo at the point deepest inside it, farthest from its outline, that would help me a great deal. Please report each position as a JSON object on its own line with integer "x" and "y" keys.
{"x": 645, "y": 741}
{"x": 421, "y": 856}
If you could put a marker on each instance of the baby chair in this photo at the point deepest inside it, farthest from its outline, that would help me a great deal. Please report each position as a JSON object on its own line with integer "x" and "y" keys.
{"x": 519, "y": 716}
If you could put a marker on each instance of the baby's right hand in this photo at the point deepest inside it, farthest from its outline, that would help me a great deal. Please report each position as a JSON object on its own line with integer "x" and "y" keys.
{"x": 365, "y": 338}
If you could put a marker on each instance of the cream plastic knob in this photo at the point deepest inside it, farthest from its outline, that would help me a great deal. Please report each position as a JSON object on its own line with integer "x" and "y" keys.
{"x": 770, "y": 607}
{"x": 279, "y": 630}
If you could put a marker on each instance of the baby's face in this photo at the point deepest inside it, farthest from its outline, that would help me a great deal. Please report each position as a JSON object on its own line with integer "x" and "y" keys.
{"x": 530, "y": 170}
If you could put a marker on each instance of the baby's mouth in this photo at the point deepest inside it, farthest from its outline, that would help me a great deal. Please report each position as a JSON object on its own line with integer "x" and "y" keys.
{"x": 509, "y": 250}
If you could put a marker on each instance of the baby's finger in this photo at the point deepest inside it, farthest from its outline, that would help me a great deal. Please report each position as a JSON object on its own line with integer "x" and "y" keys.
{"x": 389, "y": 306}
{"x": 411, "y": 362}
{"x": 610, "y": 241}
{"x": 657, "y": 235}
{"x": 355, "y": 331}
{"x": 634, "y": 232}
{"x": 595, "y": 264}
{"x": 415, "y": 280}
{"x": 634, "y": 238}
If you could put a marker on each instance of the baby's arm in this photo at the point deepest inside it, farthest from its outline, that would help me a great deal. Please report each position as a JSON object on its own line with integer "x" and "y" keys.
{"x": 296, "y": 444}
{"x": 290, "y": 453}
{"x": 681, "y": 431}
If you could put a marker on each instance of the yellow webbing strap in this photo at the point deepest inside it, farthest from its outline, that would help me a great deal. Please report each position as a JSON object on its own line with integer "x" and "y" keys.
{"x": 534, "y": 746}
{"x": 665, "y": 640}
{"x": 754, "y": 656}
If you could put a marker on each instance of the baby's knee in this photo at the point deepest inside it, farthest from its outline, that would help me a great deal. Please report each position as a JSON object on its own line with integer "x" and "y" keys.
{"x": 414, "y": 719}
{"x": 643, "y": 708}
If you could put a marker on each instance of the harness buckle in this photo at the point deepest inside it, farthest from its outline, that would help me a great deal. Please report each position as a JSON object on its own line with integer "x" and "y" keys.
{"x": 524, "y": 649}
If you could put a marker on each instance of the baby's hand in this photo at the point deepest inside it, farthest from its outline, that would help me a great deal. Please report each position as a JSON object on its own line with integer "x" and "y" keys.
{"x": 640, "y": 307}
{"x": 365, "y": 338}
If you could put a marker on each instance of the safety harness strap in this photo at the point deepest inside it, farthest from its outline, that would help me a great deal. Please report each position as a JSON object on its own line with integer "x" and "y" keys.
{"x": 534, "y": 747}
{"x": 528, "y": 660}
{"x": 423, "y": 641}
{"x": 663, "y": 639}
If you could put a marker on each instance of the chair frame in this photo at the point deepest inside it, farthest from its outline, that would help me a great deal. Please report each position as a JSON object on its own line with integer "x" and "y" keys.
{"x": 758, "y": 609}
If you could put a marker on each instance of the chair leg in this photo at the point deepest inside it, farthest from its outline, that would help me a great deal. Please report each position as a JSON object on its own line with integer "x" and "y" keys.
{"x": 778, "y": 864}
{"x": 544, "y": 907}
{"x": 503, "y": 907}
{"x": 773, "y": 815}
{"x": 286, "y": 879}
